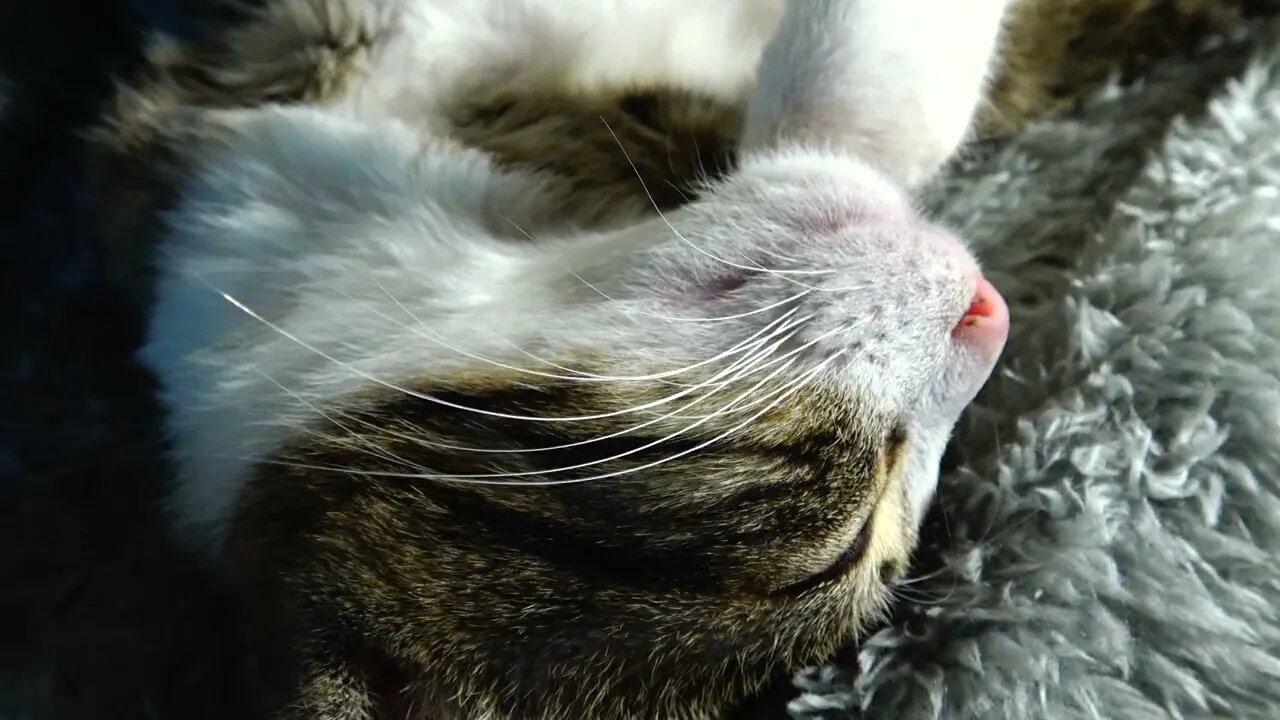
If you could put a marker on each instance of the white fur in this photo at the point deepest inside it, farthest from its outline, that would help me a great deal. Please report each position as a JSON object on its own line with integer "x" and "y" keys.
{"x": 895, "y": 82}
{"x": 323, "y": 251}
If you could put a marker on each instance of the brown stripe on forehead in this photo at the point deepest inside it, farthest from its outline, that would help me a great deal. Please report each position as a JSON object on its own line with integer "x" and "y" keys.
{"x": 616, "y": 153}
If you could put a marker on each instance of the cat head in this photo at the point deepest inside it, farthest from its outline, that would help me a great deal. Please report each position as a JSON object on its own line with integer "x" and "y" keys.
{"x": 543, "y": 470}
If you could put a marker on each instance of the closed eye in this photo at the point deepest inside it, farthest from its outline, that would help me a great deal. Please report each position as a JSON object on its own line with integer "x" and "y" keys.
{"x": 891, "y": 458}
{"x": 846, "y": 561}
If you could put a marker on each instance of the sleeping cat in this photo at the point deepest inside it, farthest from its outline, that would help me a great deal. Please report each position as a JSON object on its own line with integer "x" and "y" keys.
{"x": 473, "y": 441}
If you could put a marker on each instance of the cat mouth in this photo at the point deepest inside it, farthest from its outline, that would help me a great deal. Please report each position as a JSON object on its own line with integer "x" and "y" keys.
{"x": 842, "y": 566}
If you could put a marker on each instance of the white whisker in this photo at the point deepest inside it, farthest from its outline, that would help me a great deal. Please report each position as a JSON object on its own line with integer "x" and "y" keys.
{"x": 672, "y": 318}
{"x": 422, "y": 329}
{"x": 365, "y": 445}
{"x": 784, "y": 356}
{"x": 419, "y": 395}
{"x": 787, "y": 390}
{"x": 683, "y": 195}
{"x": 725, "y": 408}
{"x": 714, "y": 382}
{"x": 744, "y": 346}
{"x": 681, "y": 237}
{"x": 923, "y": 578}
{"x": 917, "y": 597}
{"x": 743, "y": 373}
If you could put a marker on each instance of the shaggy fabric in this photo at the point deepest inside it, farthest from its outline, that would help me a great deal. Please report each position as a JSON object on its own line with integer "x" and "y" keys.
{"x": 1107, "y": 541}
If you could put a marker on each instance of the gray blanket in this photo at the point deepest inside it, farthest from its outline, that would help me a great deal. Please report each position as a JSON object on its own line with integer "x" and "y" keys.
{"x": 1107, "y": 540}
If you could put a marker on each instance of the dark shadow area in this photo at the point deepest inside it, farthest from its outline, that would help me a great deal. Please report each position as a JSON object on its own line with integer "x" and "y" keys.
{"x": 101, "y": 617}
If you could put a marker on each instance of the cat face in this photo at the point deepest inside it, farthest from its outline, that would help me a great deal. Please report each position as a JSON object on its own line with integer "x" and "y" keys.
{"x": 708, "y": 435}
{"x": 802, "y": 281}
{"x": 768, "y": 376}
{"x": 465, "y": 452}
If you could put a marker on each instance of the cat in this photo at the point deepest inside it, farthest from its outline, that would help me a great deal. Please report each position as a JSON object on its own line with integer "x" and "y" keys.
{"x": 473, "y": 439}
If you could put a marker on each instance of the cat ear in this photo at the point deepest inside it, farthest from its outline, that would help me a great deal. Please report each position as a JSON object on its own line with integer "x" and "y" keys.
{"x": 895, "y": 82}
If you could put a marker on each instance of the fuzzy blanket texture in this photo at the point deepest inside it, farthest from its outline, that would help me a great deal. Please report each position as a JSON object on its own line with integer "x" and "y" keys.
{"x": 1107, "y": 538}
{"x": 1106, "y": 542}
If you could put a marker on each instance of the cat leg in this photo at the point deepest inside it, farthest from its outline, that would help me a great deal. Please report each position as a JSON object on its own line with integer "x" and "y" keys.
{"x": 896, "y": 82}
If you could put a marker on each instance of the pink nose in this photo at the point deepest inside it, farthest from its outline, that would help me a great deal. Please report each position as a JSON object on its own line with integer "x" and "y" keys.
{"x": 985, "y": 324}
